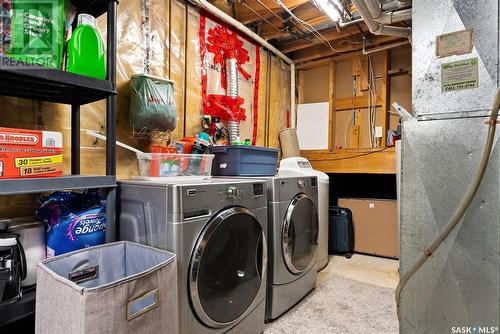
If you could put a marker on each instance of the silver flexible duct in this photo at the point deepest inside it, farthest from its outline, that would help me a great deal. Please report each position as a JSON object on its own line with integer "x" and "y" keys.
{"x": 232, "y": 91}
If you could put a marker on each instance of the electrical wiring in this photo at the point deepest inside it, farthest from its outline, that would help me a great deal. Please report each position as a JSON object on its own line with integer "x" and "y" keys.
{"x": 307, "y": 26}
{"x": 271, "y": 11}
{"x": 262, "y": 17}
{"x": 345, "y": 41}
{"x": 368, "y": 83}
{"x": 361, "y": 155}
{"x": 372, "y": 98}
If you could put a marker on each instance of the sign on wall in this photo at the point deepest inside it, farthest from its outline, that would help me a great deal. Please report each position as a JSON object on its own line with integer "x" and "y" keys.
{"x": 460, "y": 75}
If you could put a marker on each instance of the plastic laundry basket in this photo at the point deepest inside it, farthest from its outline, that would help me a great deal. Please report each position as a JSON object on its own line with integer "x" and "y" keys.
{"x": 120, "y": 287}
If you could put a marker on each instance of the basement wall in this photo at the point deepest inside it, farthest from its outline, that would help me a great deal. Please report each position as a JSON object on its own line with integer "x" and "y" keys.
{"x": 174, "y": 54}
{"x": 315, "y": 83}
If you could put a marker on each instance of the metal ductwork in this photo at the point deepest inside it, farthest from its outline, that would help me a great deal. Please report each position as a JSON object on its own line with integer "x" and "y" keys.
{"x": 378, "y": 15}
{"x": 376, "y": 20}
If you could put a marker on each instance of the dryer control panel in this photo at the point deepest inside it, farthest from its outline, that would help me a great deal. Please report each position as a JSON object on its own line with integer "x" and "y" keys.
{"x": 234, "y": 192}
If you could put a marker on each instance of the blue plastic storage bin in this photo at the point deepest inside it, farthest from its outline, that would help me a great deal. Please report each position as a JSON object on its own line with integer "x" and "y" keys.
{"x": 238, "y": 160}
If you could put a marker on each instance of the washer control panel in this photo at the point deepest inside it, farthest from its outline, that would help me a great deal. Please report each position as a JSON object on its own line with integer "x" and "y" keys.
{"x": 234, "y": 192}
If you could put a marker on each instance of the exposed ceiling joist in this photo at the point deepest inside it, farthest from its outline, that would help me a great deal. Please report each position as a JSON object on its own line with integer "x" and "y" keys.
{"x": 322, "y": 51}
{"x": 307, "y": 12}
{"x": 330, "y": 35}
{"x": 246, "y": 16}
{"x": 269, "y": 34}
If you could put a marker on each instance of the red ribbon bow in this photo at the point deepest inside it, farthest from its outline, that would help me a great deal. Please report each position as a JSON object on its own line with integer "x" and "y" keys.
{"x": 227, "y": 108}
{"x": 225, "y": 44}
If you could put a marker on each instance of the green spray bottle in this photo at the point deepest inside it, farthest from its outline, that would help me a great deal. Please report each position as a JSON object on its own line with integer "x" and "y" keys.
{"x": 86, "y": 55}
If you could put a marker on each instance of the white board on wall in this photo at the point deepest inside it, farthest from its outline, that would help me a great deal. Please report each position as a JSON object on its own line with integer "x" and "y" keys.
{"x": 312, "y": 125}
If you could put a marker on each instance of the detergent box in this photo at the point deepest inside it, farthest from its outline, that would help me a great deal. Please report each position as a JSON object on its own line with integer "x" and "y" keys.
{"x": 30, "y": 153}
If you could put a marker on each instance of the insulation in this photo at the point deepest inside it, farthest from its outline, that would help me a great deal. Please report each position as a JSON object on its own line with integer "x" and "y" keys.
{"x": 159, "y": 36}
{"x": 279, "y": 106}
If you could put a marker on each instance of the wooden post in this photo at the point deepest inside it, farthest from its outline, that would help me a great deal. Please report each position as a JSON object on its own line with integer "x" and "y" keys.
{"x": 331, "y": 96}
{"x": 385, "y": 100}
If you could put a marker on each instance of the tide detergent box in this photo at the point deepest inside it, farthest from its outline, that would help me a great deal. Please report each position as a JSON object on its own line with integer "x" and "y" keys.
{"x": 30, "y": 153}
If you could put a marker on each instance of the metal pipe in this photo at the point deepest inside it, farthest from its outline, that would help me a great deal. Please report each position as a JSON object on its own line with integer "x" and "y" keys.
{"x": 394, "y": 16}
{"x": 378, "y": 28}
{"x": 383, "y": 47}
{"x": 241, "y": 27}
{"x": 374, "y": 8}
{"x": 350, "y": 23}
{"x": 385, "y": 18}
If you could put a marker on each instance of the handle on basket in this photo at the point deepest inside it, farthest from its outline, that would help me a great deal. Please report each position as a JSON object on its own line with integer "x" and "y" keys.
{"x": 84, "y": 275}
{"x": 138, "y": 306}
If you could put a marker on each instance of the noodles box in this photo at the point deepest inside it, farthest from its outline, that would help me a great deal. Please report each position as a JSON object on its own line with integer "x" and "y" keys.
{"x": 30, "y": 153}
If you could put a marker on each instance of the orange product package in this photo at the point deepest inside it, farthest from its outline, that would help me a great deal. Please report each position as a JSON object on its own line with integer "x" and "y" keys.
{"x": 30, "y": 153}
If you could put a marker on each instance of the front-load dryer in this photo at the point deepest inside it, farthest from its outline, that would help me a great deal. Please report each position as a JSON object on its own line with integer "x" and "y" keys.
{"x": 298, "y": 166}
{"x": 218, "y": 230}
{"x": 293, "y": 241}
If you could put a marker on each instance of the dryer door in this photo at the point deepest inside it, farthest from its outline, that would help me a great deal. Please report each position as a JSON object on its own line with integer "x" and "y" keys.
{"x": 300, "y": 234}
{"x": 227, "y": 267}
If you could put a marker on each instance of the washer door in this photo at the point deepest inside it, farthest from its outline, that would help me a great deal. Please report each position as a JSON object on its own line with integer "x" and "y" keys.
{"x": 300, "y": 234}
{"x": 227, "y": 267}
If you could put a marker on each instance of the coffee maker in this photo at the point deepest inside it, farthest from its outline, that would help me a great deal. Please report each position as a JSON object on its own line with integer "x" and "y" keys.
{"x": 12, "y": 266}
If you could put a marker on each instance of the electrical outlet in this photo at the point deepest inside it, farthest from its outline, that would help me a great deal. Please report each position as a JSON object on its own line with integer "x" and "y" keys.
{"x": 378, "y": 132}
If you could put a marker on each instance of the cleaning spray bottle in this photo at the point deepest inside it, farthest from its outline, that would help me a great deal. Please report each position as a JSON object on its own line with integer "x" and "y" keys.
{"x": 86, "y": 55}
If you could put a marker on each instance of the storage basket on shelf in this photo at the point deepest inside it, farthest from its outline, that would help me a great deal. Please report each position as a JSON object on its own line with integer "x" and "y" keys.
{"x": 174, "y": 164}
{"x": 120, "y": 287}
{"x": 240, "y": 160}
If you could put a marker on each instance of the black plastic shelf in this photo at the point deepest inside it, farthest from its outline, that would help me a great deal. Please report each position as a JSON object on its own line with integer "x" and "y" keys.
{"x": 51, "y": 85}
{"x": 49, "y": 184}
{"x": 93, "y": 7}
{"x": 20, "y": 309}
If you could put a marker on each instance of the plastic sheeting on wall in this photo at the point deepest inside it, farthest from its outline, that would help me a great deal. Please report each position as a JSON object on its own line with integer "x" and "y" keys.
{"x": 279, "y": 102}
{"x": 219, "y": 42}
{"x": 169, "y": 46}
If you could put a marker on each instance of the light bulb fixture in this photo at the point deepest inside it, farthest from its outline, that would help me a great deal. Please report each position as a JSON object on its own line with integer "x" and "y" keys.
{"x": 330, "y": 7}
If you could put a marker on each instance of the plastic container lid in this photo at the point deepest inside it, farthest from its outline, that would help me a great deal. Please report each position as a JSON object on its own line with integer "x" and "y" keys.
{"x": 86, "y": 19}
{"x": 204, "y": 136}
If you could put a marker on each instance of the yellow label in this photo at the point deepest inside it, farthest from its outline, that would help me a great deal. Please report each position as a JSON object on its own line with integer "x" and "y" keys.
{"x": 38, "y": 161}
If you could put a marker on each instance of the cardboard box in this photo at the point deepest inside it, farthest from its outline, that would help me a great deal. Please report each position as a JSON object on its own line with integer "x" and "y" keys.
{"x": 375, "y": 225}
{"x": 30, "y": 153}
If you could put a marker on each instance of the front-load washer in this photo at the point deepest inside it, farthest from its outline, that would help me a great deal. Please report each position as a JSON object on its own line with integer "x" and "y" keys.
{"x": 218, "y": 230}
{"x": 293, "y": 241}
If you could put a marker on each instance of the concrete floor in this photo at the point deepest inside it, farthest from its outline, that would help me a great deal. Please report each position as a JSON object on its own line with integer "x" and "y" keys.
{"x": 352, "y": 296}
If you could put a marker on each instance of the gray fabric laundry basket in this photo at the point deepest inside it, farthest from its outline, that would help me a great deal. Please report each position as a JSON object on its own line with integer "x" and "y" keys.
{"x": 120, "y": 288}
